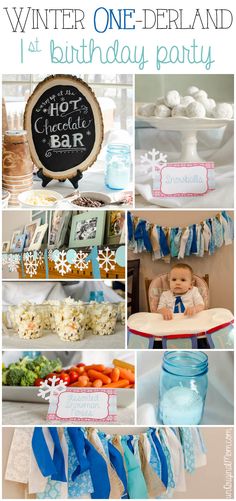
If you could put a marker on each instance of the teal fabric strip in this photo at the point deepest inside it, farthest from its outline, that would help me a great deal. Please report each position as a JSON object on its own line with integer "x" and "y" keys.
{"x": 137, "y": 488}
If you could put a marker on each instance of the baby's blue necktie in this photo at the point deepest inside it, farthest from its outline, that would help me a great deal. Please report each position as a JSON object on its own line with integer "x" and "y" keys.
{"x": 179, "y": 306}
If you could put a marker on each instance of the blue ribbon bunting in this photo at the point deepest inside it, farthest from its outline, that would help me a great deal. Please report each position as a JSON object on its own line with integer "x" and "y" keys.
{"x": 118, "y": 463}
{"x": 49, "y": 467}
{"x": 164, "y": 467}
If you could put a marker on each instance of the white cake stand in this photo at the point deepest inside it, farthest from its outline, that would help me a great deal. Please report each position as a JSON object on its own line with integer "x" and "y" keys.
{"x": 188, "y": 128}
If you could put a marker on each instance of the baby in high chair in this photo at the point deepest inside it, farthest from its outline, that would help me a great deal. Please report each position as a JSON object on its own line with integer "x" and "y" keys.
{"x": 182, "y": 297}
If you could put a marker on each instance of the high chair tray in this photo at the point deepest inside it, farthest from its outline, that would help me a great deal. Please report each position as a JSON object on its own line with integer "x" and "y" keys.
{"x": 153, "y": 324}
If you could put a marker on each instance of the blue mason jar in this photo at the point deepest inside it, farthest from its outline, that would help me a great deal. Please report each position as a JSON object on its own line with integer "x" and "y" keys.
{"x": 183, "y": 387}
{"x": 118, "y": 166}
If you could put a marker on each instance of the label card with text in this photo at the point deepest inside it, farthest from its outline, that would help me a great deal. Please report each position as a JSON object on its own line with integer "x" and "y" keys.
{"x": 84, "y": 405}
{"x": 183, "y": 179}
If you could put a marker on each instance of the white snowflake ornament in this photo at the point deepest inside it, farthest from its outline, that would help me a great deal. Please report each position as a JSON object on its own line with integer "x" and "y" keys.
{"x": 154, "y": 159}
{"x": 106, "y": 259}
{"x": 31, "y": 264}
{"x": 61, "y": 264}
{"x": 80, "y": 261}
{"x": 13, "y": 261}
{"x": 51, "y": 387}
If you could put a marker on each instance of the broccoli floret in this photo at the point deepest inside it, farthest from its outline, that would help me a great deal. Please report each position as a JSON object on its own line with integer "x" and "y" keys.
{"x": 4, "y": 376}
{"x": 28, "y": 378}
{"x": 13, "y": 376}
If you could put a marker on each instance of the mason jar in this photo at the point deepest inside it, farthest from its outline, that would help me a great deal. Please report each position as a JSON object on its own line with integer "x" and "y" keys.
{"x": 183, "y": 387}
{"x": 118, "y": 166}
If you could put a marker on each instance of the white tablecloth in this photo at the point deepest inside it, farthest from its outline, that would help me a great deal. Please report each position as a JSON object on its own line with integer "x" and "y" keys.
{"x": 213, "y": 145}
{"x": 51, "y": 341}
{"x": 92, "y": 180}
{"x": 219, "y": 409}
{"x": 22, "y": 413}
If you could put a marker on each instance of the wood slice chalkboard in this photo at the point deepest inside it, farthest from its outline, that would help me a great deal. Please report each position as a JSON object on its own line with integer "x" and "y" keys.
{"x": 65, "y": 127}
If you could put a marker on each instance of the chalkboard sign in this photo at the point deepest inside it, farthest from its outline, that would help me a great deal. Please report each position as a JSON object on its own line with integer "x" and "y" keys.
{"x": 65, "y": 127}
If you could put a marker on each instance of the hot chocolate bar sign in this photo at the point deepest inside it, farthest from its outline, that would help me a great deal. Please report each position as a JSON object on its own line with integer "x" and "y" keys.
{"x": 65, "y": 128}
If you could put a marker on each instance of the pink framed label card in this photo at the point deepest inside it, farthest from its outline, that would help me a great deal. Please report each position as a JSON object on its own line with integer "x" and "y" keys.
{"x": 183, "y": 179}
{"x": 84, "y": 405}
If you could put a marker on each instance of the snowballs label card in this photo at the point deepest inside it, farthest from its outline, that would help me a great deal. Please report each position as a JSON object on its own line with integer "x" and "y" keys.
{"x": 183, "y": 179}
{"x": 84, "y": 405}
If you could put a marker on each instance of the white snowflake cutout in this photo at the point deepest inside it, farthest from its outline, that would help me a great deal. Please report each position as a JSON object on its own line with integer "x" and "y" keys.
{"x": 48, "y": 390}
{"x": 155, "y": 159}
{"x": 31, "y": 264}
{"x": 62, "y": 265}
{"x": 80, "y": 260}
{"x": 106, "y": 259}
{"x": 13, "y": 262}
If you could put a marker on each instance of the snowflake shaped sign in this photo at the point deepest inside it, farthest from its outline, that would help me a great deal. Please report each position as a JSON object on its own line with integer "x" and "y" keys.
{"x": 154, "y": 159}
{"x": 51, "y": 387}
{"x": 106, "y": 259}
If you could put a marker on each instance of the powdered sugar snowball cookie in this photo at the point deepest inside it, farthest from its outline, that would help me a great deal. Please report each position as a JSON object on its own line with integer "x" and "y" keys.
{"x": 160, "y": 100}
{"x": 162, "y": 111}
{"x": 200, "y": 94}
{"x": 178, "y": 111}
{"x": 223, "y": 110}
{"x": 209, "y": 105}
{"x": 195, "y": 110}
{"x": 172, "y": 98}
{"x": 147, "y": 109}
{"x": 192, "y": 90}
{"x": 185, "y": 100}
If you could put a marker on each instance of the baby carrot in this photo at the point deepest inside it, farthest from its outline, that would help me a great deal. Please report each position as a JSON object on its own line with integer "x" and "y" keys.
{"x": 93, "y": 375}
{"x": 127, "y": 374}
{"x": 122, "y": 364}
{"x": 97, "y": 383}
{"x": 122, "y": 383}
{"x": 107, "y": 371}
{"x": 115, "y": 375}
{"x": 96, "y": 367}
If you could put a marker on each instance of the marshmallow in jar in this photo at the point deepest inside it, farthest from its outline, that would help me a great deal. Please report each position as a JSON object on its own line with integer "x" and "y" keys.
{"x": 17, "y": 166}
{"x": 103, "y": 317}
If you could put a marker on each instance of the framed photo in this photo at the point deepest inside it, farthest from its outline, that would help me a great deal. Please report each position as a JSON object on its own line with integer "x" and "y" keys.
{"x": 58, "y": 225}
{"x": 40, "y": 214}
{"x": 87, "y": 229}
{"x": 19, "y": 243}
{"x": 6, "y": 246}
{"x": 15, "y": 234}
{"x": 38, "y": 237}
{"x": 115, "y": 227}
{"x": 30, "y": 231}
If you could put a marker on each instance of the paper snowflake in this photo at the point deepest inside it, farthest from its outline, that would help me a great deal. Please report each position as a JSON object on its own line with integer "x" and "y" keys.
{"x": 31, "y": 264}
{"x": 4, "y": 259}
{"x": 51, "y": 387}
{"x": 80, "y": 262}
{"x": 155, "y": 159}
{"x": 61, "y": 264}
{"x": 40, "y": 257}
{"x": 106, "y": 259}
{"x": 13, "y": 261}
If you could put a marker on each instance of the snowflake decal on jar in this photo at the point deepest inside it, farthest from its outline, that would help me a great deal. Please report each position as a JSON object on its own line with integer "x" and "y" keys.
{"x": 31, "y": 264}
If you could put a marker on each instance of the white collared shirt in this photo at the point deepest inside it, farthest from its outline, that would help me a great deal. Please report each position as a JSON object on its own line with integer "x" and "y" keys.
{"x": 190, "y": 298}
